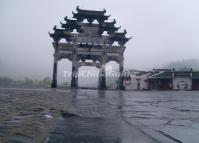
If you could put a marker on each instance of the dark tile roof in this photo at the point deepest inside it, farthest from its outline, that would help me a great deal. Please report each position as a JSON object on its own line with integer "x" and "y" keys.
{"x": 195, "y": 75}
{"x": 142, "y": 73}
{"x": 162, "y": 75}
{"x": 182, "y": 73}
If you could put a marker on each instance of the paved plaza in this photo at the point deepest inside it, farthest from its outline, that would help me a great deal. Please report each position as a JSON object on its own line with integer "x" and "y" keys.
{"x": 90, "y": 116}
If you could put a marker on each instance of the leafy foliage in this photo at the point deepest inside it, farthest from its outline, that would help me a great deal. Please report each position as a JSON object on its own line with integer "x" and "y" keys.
{"x": 184, "y": 65}
{"x": 6, "y": 81}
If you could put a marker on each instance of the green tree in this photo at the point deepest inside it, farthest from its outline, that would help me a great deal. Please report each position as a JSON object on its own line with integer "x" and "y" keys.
{"x": 28, "y": 81}
{"x": 46, "y": 81}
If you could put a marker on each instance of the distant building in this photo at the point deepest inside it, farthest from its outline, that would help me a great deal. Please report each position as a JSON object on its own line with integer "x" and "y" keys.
{"x": 163, "y": 79}
{"x": 136, "y": 81}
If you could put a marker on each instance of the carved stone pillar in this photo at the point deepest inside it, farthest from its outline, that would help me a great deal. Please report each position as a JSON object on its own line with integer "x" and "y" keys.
{"x": 102, "y": 78}
{"x": 74, "y": 76}
{"x": 54, "y": 81}
{"x": 102, "y": 74}
{"x": 121, "y": 77}
{"x": 55, "y": 66}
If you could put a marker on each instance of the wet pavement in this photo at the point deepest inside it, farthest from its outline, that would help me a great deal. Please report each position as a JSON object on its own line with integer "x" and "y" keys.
{"x": 27, "y": 115}
{"x": 90, "y": 116}
{"x": 125, "y": 117}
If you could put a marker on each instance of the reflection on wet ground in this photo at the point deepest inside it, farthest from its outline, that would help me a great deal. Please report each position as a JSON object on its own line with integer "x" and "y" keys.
{"x": 86, "y": 129}
{"x": 90, "y": 116}
{"x": 135, "y": 116}
{"x": 95, "y": 117}
{"x": 26, "y": 115}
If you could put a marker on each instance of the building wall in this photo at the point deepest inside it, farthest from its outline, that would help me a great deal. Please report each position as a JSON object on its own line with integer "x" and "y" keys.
{"x": 182, "y": 83}
{"x": 195, "y": 84}
{"x": 179, "y": 80}
{"x": 143, "y": 83}
{"x": 179, "y": 83}
{"x": 137, "y": 83}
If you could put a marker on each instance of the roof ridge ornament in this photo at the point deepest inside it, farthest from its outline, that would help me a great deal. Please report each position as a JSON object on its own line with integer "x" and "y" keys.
{"x": 77, "y": 8}
{"x": 73, "y": 13}
{"x": 55, "y": 27}
{"x": 62, "y": 23}
{"x": 66, "y": 18}
{"x": 114, "y": 21}
{"x": 104, "y": 10}
{"x": 125, "y": 32}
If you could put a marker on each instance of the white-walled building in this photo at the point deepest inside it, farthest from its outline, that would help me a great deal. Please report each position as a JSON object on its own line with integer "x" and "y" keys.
{"x": 137, "y": 81}
{"x": 163, "y": 79}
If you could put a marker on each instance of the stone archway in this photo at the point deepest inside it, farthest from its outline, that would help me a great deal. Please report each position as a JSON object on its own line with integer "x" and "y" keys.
{"x": 88, "y": 43}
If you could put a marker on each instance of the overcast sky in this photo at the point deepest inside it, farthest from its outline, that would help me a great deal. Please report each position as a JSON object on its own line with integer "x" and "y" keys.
{"x": 162, "y": 31}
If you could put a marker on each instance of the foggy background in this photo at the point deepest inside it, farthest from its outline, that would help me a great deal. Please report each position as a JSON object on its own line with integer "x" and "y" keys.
{"x": 162, "y": 31}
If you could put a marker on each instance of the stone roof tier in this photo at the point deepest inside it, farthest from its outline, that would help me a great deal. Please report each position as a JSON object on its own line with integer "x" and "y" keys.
{"x": 90, "y": 15}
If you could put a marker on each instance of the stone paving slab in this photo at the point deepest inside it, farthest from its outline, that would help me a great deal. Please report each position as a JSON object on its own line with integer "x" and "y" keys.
{"x": 168, "y": 117}
{"x": 95, "y": 130}
{"x": 85, "y": 130}
{"x": 26, "y": 115}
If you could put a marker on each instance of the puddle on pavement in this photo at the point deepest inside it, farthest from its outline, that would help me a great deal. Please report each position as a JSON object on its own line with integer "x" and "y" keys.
{"x": 20, "y": 138}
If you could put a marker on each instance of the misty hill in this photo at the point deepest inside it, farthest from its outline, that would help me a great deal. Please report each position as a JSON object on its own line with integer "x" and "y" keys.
{"x": 183, "y": 64}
